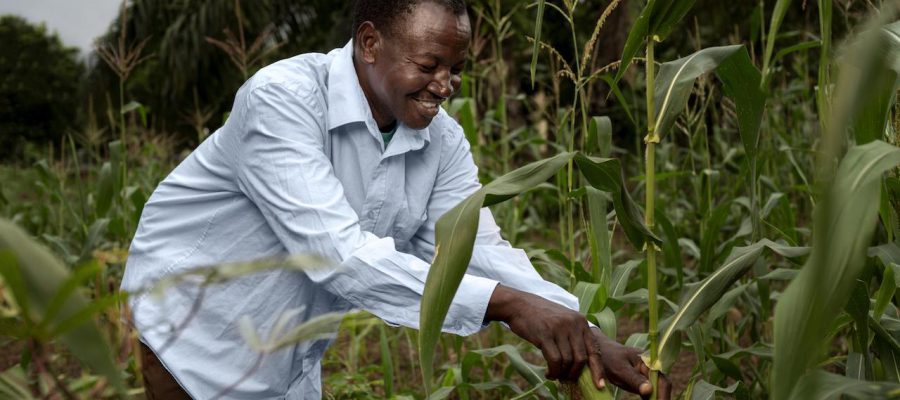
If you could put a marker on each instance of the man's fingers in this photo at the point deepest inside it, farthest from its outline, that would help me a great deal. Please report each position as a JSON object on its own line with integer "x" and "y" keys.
{"x": 579, "y": 356}
{"x": 630, "y": 378}
{"x": 598, "y": 375}
{"x": 565, "y": 355}
{"x": 554, "y": 359}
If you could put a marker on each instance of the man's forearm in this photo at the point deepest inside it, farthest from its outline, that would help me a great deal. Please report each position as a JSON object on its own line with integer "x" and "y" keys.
{"x": 501, "y": 305}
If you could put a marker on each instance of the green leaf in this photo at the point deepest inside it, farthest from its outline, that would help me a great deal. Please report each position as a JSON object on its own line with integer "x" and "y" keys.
{"x": 780, "y": 274}
{"x": 532, "y": 373}
{"x": 823, "y": 385}
{"x": 591, "y": 296}
{"x": 724, "y": 304}
{"x": 888, "y": 253}
{"x": 43, "y": 275}
{"x": 387, "y": 361}
{"x": 890, "y": 359}
{"x": 620, "y": 277}
{"x": 676, "y": 79}
{"x": 601, "y": 253}
{"x": 667, "y": 15}
{"x": 701, "y": 296}
{"x": 670, "y": 248}
{"x": 538, "y": 23}
{"x": 741, "y": 82}
{"x": 704, "y": 390}
{"x": 844, "y": 224}
{"x": 71, "y": 284}
{"x": 858, "y": 308}
{"x": 606, "y": 321}
{"x": 881, "y": 85}
{"x": 600, "y": 132}
{"x": 105, "y": 189}
{"x": 606, "y": 174}
{"x": 778, "y": 13}
{"x": 14, "y": 384}
{"x": 95, "y": 235}
{"x": 885, "y": 292}
{"x": 639, "y": 32}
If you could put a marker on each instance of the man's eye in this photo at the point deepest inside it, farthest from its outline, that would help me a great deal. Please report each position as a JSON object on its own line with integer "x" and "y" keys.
{"x": 427, "y": 68}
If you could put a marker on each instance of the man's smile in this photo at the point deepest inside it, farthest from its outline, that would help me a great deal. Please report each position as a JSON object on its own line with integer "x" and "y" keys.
{"x": 429, "y": 107}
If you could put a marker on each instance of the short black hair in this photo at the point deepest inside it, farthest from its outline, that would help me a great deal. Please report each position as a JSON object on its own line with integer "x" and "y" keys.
{"x": 385, "y": 13}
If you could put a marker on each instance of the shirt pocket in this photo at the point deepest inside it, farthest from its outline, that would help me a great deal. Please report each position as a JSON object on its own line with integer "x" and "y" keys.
{"x": 407, "y": 222}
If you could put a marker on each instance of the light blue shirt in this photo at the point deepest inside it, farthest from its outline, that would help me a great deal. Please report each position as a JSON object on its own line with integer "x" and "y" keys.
{"x": 300, "y": 167}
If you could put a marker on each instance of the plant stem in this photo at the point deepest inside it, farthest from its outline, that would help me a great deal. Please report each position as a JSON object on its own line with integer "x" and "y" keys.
{"x": 650, "y": 191}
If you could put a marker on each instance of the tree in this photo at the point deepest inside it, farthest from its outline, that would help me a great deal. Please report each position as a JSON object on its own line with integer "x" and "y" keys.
{"x": 188, "y": 77}
{"x": 39, "y": 86}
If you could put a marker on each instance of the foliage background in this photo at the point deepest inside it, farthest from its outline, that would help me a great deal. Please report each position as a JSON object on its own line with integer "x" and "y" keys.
{"x": 76, "y": 176}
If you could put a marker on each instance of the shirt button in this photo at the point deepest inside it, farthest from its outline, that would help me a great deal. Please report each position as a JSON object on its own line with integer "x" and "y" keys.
{"x": 371, "y": 214}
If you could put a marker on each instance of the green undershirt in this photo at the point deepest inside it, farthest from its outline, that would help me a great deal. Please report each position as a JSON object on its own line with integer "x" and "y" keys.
{"x": 387, "y": 136}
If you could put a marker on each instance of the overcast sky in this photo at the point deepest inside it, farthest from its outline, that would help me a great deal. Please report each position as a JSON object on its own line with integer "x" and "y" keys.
{"x": 78, "y": 22}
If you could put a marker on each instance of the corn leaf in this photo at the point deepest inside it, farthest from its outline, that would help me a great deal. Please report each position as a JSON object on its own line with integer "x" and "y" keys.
{"x": 667, "y": 15}
{"x": 591, "y": 296}
{"x": 606, "y": 174}
{"x": 14, "y": 384}
{"x": 387, "y": 362}
{"x": 701, "y": 296}
{"x": 538, "y": 23}
{"x": 676, "y": 79}
{"x": 741, "y": 81}
{"x": 606, "y": 321}
{"x": 637, "y": 35}
{"x": 532, "y": 373}
{"x": 601, "y": 254}
{"x": 823, "y": 385}
{"x": 42, "y": 276}
{"x": 778, "y": 13}
{"x": 881, "y": 87}
{"x": 885, "y": 292}
{"x": 845, "y": 222}
{"x": 600, "y": 132}
{"x": 890, "y": 359}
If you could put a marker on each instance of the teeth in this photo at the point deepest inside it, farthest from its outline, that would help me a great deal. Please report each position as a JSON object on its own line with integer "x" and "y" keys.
{"x": 429, "y": 104}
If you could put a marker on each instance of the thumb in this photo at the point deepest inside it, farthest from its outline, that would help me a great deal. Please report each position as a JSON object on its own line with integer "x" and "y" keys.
{"x": 634, "y": 381}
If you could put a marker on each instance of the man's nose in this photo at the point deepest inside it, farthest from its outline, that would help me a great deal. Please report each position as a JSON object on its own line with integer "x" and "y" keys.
{"x": 441, "y": 84}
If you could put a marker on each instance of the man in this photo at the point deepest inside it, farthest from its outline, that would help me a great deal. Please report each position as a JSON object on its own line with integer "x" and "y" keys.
{"x": 350, "y": 156}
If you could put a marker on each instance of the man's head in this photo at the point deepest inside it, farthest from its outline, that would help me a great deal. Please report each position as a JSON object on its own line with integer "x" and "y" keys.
{"x": 409, "y": 55}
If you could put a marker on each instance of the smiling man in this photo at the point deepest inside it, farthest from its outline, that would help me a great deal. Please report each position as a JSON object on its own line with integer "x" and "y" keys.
{"x": 350, "y": 156}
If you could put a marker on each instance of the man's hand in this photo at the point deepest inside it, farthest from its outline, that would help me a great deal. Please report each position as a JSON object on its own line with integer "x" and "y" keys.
{"x": 623, "y": 366}
{"x": 568, "y": 343}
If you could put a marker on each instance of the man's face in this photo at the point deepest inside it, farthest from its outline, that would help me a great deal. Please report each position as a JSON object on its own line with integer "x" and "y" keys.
{"x": 418, "y": 66}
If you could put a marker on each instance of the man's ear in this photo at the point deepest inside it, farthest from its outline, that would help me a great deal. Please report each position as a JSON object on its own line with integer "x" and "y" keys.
{"x": 368, "y": 42}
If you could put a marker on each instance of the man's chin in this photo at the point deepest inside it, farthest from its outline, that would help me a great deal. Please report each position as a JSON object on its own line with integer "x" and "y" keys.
{"x": 418, "y": 123}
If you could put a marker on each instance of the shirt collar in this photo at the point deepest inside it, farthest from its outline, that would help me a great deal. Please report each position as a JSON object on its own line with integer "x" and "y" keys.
{"x": 347, "y": 104}
{"x": 346, "y": 100}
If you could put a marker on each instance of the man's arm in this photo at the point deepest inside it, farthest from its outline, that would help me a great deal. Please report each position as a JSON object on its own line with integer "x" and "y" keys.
{"x": 538, "y": 311}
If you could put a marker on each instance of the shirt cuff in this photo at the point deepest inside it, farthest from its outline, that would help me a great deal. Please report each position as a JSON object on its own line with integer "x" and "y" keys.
{"x": 466, "y": 314}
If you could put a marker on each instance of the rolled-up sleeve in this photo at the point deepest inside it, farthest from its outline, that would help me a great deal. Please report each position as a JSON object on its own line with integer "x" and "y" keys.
{"x": 283, "y": 169}
{"x": 492, "y": 257}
